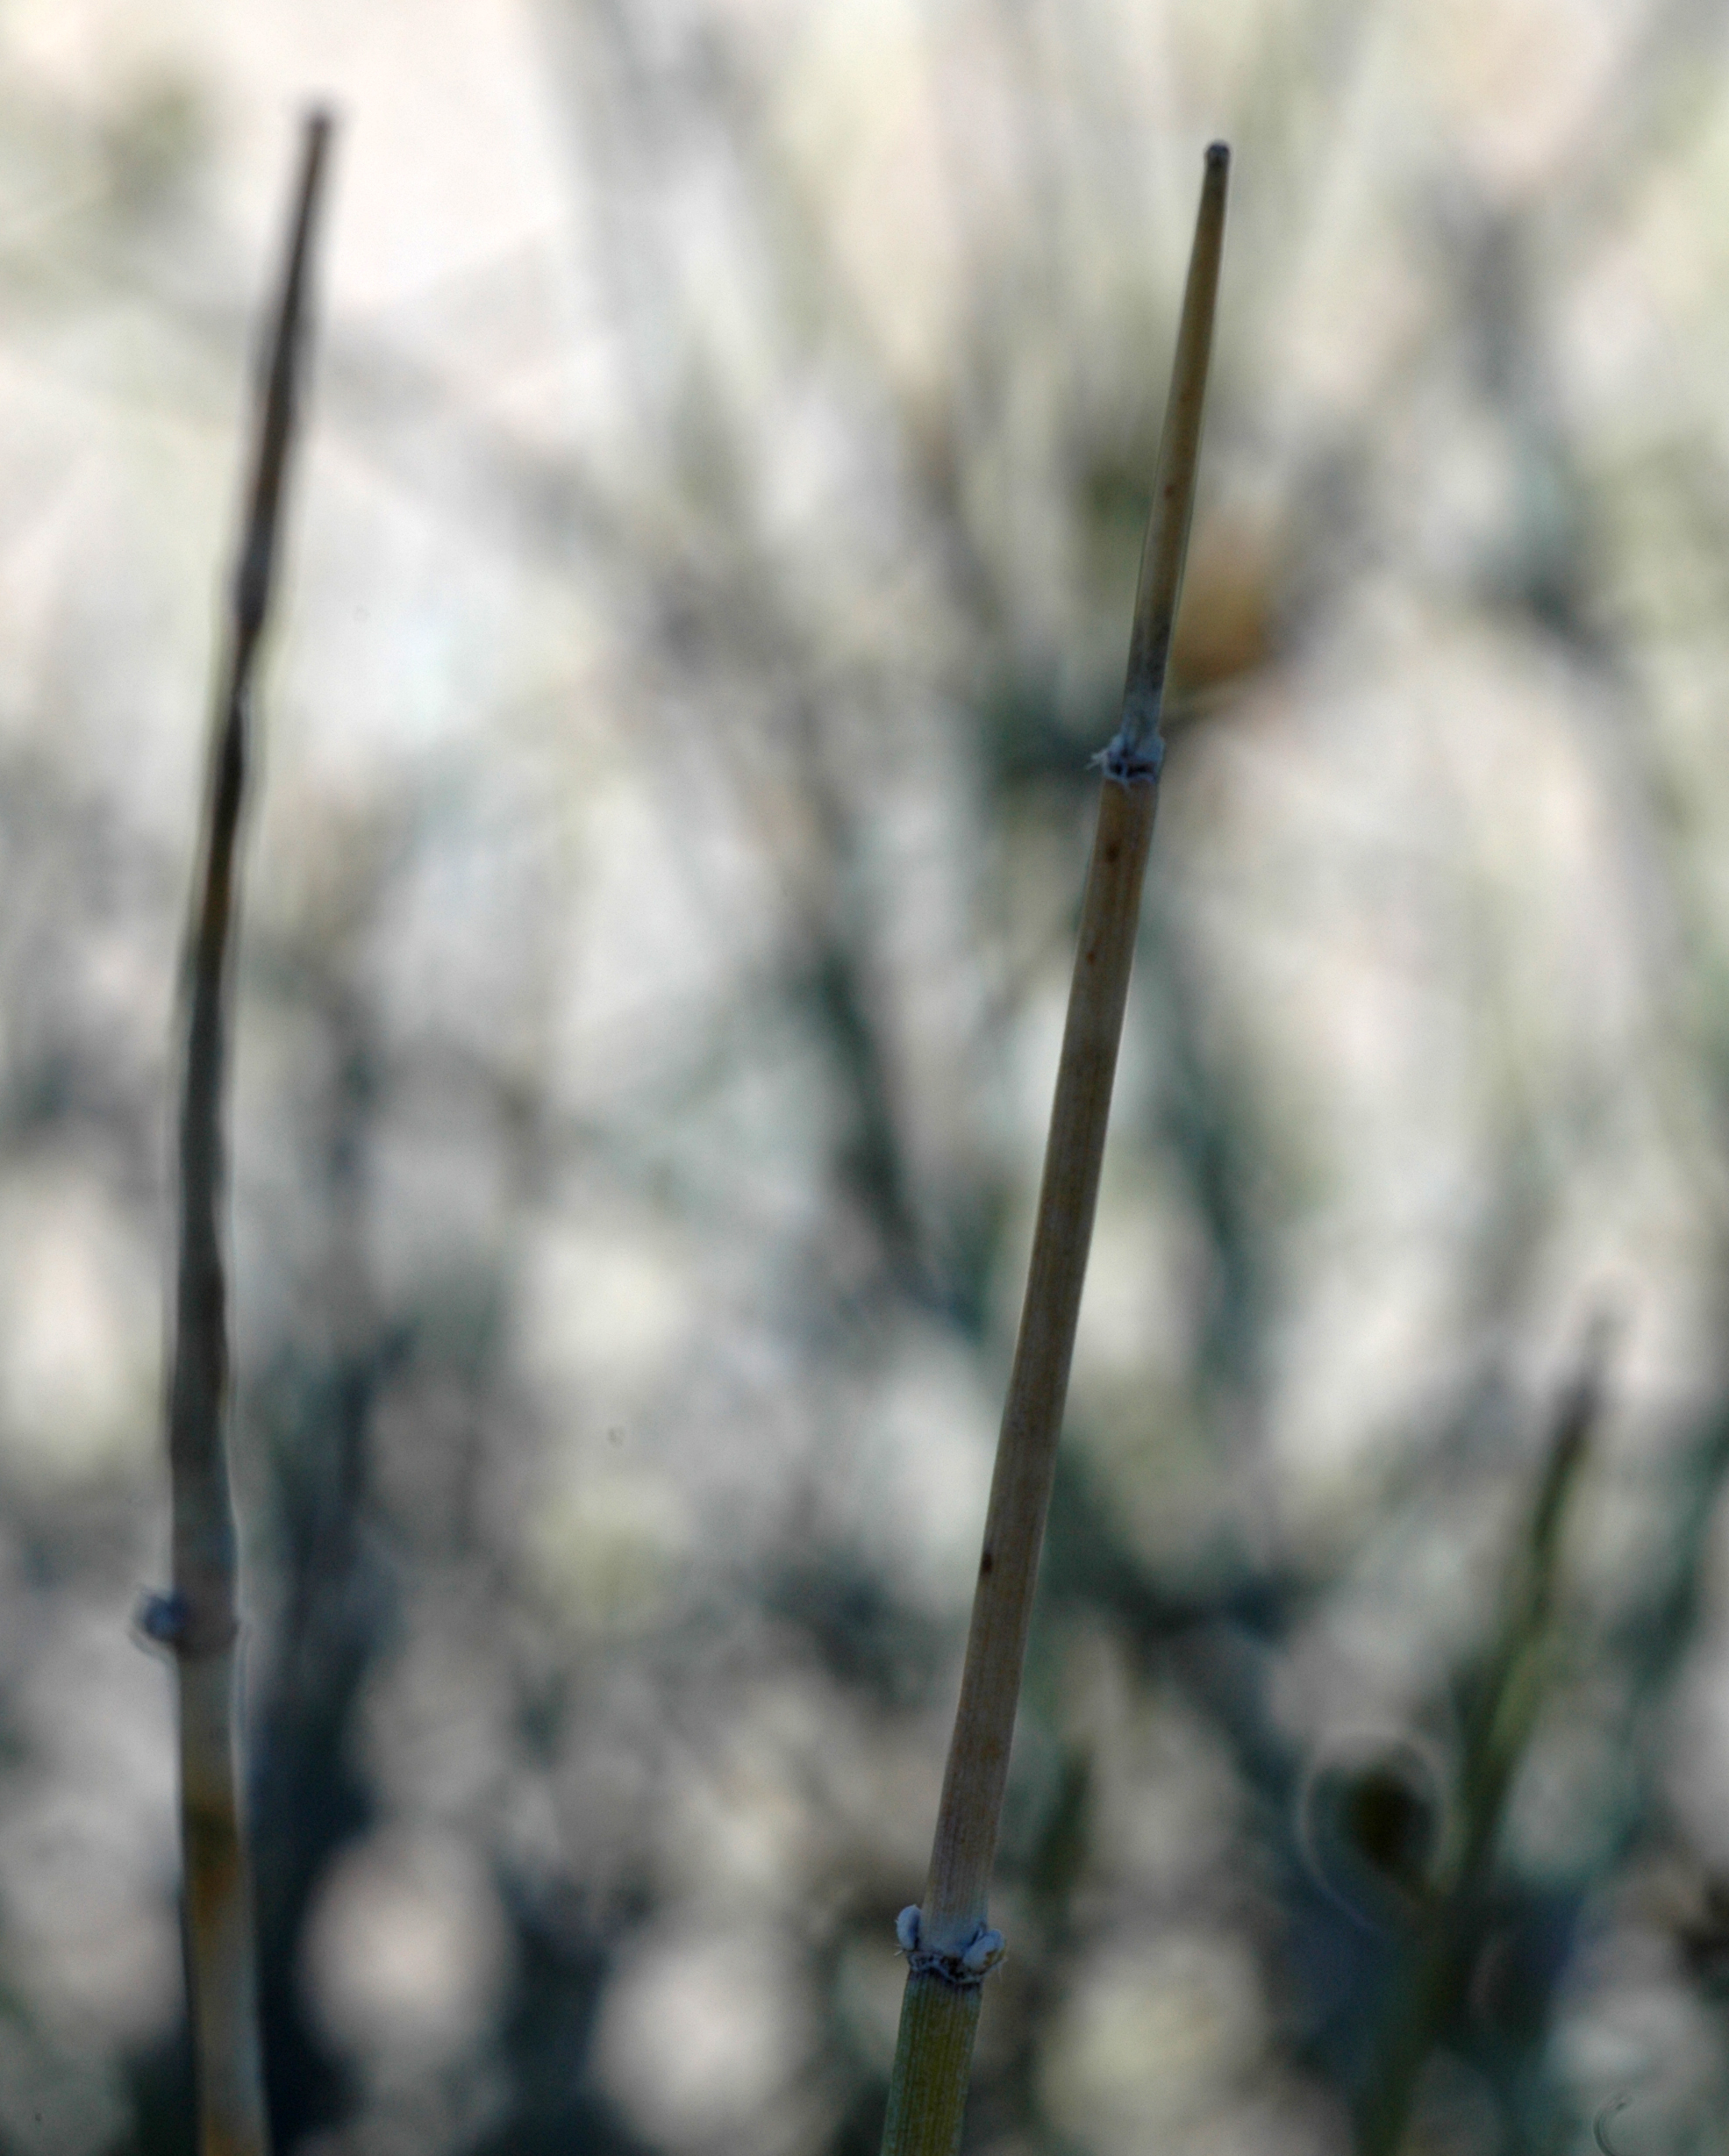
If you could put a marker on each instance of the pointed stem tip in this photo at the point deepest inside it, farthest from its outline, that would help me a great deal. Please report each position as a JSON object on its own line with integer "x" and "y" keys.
{"x": 1138, "y": 750}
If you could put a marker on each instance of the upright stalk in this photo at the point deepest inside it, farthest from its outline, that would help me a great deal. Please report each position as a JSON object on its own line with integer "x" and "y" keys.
{"x": 1508, "y": 1692}
{"x": 198, "y": 1621}
{"x": 948, "y": 1946}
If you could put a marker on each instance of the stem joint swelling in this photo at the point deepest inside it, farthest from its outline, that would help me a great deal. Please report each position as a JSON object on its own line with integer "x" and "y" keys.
{"x": 169, "y": 1620}
{"x": 948, "y": 1947}
{"x": 962, "y": 1966}
{"x": 1131, "y": 762}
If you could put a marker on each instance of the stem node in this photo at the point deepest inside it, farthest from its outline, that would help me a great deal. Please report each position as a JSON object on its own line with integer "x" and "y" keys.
{"x": 948, "y": 1943}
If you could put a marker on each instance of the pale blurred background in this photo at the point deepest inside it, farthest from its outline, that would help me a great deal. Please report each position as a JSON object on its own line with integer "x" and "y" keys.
{"x": 708, "y": 578}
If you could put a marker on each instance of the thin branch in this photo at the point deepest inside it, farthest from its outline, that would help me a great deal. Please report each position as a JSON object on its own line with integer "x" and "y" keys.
{"x": 1508, "y": 1695}
{"x": 198, "y": 1621}
{"x": 948, "y": 1946}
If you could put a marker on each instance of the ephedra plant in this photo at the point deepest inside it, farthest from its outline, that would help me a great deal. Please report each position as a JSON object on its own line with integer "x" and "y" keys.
{"x": 949, "y": 1945}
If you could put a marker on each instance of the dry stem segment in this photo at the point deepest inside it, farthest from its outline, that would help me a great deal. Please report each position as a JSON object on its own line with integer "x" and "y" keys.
{"x": 940, "y": 2011}
{"x": 978, "y": 1762}
{"x": 199, "y": 1620}
{"x": 1138, "y": 742}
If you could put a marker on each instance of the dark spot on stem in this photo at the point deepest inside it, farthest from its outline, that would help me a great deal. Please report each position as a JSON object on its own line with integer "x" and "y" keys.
{"x": 985, "y": 1564}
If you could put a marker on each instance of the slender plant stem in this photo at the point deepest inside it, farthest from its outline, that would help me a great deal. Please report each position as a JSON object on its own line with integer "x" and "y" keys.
{"x": 1508, "y": 1694}
{"x": 198, "y": 1621}
{"x": 949, "y": 1948}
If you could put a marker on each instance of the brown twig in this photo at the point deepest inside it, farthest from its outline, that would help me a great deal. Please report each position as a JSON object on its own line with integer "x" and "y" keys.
{"x": 198, "y": 1620}
{"x": 948, "y": 1946}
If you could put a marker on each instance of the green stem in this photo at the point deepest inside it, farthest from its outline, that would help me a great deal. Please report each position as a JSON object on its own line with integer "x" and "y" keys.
{"x": 1508, "y": 1697}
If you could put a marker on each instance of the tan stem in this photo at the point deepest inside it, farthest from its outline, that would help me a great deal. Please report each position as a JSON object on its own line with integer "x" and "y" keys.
{"x": 940, "y": 2008}
{"x": 220, "y": 1951}
{"x": 978, "y": 1760}
{"x": 1166, "y": 544}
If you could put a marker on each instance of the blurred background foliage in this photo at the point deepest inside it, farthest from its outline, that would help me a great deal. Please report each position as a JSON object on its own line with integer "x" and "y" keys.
{"x": 710, "y": 576}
